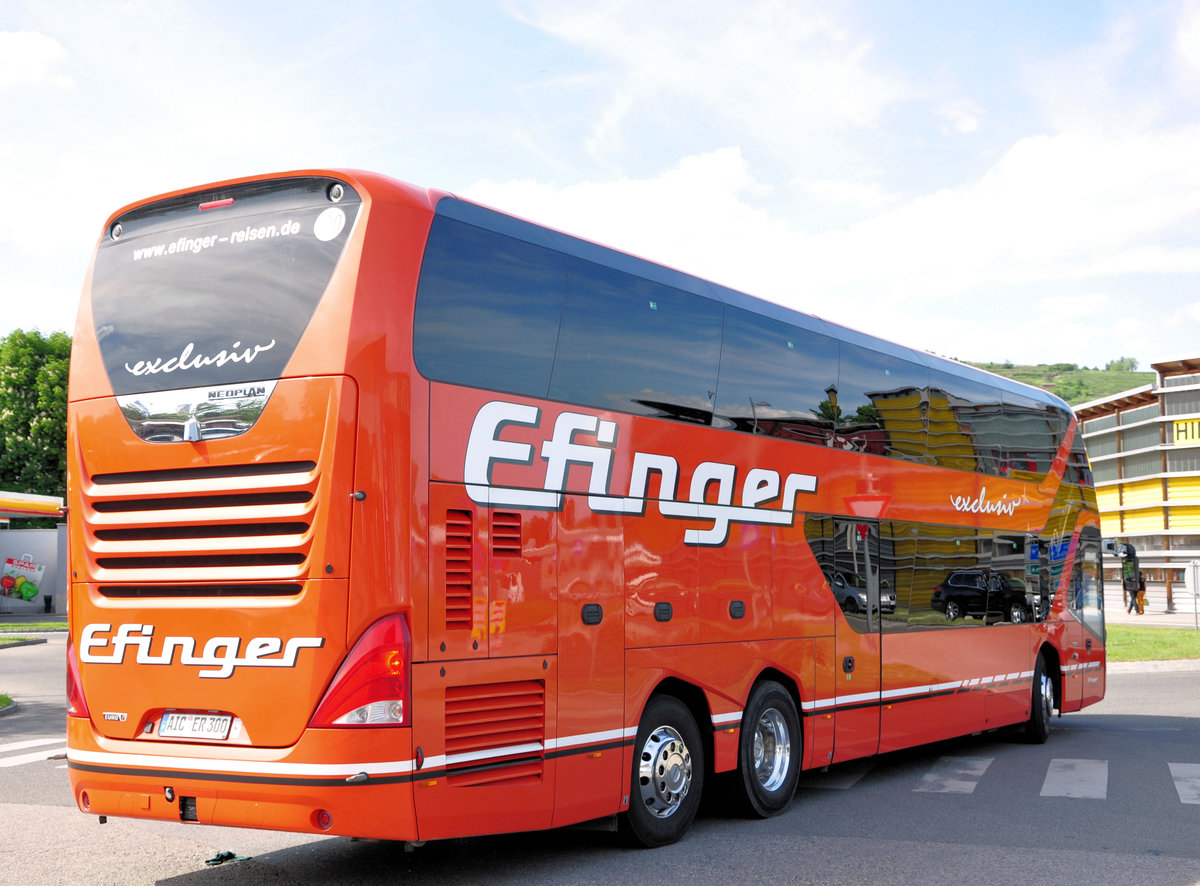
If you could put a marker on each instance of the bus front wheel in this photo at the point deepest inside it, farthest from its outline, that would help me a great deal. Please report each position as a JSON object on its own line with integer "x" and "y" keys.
{"x": 1037, "y": 727}
{"x": 668, "y": 775}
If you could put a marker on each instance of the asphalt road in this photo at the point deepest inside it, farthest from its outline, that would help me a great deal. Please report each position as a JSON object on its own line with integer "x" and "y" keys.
{"x": 1101, "y": 802}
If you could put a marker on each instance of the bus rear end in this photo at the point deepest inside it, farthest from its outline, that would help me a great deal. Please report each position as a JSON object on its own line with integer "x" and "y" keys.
{"x": 221, "y": 667}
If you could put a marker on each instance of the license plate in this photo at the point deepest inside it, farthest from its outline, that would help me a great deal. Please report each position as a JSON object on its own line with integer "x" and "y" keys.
{"x": 194, "y": 724}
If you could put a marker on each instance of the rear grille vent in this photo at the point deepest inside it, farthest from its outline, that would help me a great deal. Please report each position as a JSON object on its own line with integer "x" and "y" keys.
{"x": 459, "y": 572}
{"x": 506, "y": 534}
{"x": 176, "y": 561}
{"x": 226, "y": 530}
{"x": 495, "y": 732}
{"x": 229, "y": 590}
{"x": 204, "y": 501}
{"x": 214, "y": 472}
{"x": 198, "y": 527}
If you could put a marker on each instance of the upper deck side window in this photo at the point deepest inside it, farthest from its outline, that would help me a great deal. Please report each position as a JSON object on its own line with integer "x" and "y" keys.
{"x": 502, "y": 313}
{"x": 488, "y": 309}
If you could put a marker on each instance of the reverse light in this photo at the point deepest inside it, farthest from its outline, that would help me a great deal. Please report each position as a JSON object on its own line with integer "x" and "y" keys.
{"x": 76, "y": 703}
{"x": 372, "y": 687}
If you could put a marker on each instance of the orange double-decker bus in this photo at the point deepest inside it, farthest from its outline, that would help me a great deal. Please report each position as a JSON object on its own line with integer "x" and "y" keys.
{"x": 395, "y": 516}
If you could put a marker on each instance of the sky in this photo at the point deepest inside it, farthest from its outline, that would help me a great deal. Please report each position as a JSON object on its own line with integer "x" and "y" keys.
{"x": 990, "y": 181}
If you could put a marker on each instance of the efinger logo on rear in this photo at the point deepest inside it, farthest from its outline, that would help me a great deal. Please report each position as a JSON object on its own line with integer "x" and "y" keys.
{"x": 221, "y": 655}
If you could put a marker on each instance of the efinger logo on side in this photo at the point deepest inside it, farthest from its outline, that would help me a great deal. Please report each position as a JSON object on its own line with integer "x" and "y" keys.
{"x": 587, "y": 440}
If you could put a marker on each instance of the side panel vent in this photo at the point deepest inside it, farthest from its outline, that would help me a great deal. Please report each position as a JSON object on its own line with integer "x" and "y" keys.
{"x": 495, "y": 732}
{"x": 459, "y": 590}
{"x": 506, "y": 534}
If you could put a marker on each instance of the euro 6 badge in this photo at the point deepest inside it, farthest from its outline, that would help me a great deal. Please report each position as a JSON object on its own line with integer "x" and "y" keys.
{"x": 21, "y": 577}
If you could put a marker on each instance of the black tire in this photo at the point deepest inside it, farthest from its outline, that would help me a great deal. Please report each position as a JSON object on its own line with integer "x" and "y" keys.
{"x": 850, "y": 605}
{"x": 668, "y": 775}
{"x": 1016, "y": 614}
{"x": 954, "y": 610}
{"x": 1041, "y": 705}
{"x": 769, "y": 752}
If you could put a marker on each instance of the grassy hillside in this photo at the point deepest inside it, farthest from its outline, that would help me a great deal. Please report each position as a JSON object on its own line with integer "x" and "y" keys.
{"x": 1074, "y": 384}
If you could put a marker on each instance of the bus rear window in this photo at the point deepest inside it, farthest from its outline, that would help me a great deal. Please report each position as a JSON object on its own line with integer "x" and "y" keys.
{"x": 216, "y": 287}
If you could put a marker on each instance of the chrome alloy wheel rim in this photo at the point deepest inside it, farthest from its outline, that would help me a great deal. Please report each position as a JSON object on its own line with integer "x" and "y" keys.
{"x": 664, "y": 771}
{"x": 1046, "y": 693}
{"x": 772, "y": 750}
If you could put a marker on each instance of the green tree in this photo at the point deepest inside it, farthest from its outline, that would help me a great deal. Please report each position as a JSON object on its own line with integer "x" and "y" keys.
{"x": 1122, "y": 364}
{"x": 33, "y": 412}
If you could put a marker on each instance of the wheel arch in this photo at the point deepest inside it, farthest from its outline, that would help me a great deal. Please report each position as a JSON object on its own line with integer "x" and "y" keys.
{"x": 694, "y": 700}
{"x": 785, "y": 680}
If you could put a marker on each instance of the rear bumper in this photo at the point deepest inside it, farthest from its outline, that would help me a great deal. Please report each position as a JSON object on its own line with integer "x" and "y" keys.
{"x": 362, "y": 779}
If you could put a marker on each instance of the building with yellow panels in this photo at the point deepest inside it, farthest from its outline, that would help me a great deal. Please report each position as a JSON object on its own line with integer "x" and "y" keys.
{"x": 1144, "y": 449}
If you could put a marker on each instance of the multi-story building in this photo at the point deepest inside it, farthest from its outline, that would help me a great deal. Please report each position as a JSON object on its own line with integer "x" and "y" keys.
{"x": 1144, "y": 449}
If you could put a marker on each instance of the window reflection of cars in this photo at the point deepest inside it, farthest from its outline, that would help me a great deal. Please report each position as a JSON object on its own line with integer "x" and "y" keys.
{"x": 978, "y": 592}
{"x": 850, "y": 591}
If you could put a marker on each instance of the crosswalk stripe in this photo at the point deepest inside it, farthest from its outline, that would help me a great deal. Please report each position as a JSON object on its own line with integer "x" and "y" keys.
{"x": 1082, "y": 779}
{"x": 19, "y": 759}
{"x": 1187, "y": 781}
{"x": 841, "y": 778}
{"x": 31, "y": 743}
{"x": 954, "y": 775}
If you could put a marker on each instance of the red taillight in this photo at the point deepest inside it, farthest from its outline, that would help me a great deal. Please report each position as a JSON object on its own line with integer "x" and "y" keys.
{"x": 76, "y": 704}
{"x": 372, "y": 687}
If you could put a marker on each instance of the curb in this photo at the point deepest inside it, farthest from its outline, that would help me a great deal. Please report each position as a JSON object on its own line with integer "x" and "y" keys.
{"x": 1153, "y": 665}
{"x": 33, "y": 641}
{"x": 12, "y": 627}
{"x": 11, "y": 709}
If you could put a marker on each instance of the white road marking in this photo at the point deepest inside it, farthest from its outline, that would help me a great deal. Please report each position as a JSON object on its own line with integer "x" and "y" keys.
{"x": 1082, "y": 779}
{"x": 20, "y": 759}
{"x": 1187, "y": 781}
{"x": 31, "y": 743}
{"x": 954, "y": 775}
{"x": 842, "y": 777}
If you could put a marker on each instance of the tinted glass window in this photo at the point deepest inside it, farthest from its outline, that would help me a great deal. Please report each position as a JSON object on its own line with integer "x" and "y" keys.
{"x": 1034, "y": 432}
{"x": 1078, "y": 467}
{"x": 912, "y": 592}
{"x": 1087, "y": 585}
{"x": 488, "y": 308}
{"x": 880, "y": 404}
{"x": 774, "y": 378}
{"x": 185, "y": 297}
{"x": 966, "y": 424}
{"x": 949, "y": 581}
{"x": 632, "y": 345}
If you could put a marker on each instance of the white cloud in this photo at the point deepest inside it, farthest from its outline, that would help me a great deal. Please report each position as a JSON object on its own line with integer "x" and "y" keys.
{"x": 962, "y": 115}
{"x": 781, "y": 73}
{"x": 28, "y": 57}
{"x": 1187, "y": 37}
{"x": 841, "y": 197}
{"x": 1052, "y": 212}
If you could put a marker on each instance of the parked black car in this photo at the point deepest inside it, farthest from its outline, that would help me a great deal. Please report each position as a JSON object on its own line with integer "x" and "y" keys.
{"x": 981, "y": 593}
{"x": 850, "y": 590}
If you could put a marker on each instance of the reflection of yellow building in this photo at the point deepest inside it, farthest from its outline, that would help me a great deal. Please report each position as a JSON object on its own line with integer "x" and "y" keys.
{"x": 1144, "y": 448}
{"x": 949, "y": 443}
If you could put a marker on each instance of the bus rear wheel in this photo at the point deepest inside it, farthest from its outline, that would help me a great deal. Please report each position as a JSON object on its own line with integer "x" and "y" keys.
{"x": 668, "y": 775}
{"x": 768, "y": 752}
